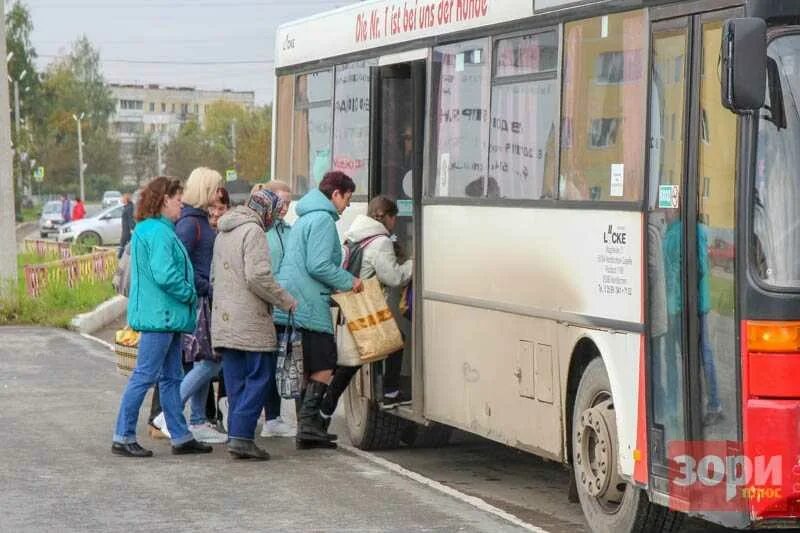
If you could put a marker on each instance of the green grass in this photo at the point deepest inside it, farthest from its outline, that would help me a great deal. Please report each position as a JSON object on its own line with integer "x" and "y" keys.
{"x": 56, "y": 305}
{"x": 30, "y": 214}
{"x": 722, "y": 295}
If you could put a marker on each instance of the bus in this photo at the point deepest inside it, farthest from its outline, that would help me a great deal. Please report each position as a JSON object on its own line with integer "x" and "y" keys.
{"x": 599, "y": 199}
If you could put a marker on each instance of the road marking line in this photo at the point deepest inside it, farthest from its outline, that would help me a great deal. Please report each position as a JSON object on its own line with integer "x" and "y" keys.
{"x": 101, "y": 341}
{"x": 435, "y": 485}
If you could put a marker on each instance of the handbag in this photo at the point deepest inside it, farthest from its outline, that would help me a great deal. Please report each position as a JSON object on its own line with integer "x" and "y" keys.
{"x": 289, "y": 377}
{"x": 371, "y": 323}
{"x": 346, "y": 349}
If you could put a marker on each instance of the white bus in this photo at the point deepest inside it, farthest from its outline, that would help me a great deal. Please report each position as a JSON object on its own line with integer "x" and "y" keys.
{"x": 601, "y": 199}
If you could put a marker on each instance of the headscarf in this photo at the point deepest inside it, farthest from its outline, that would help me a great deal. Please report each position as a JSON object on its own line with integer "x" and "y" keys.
{"x": 265, "y": 203}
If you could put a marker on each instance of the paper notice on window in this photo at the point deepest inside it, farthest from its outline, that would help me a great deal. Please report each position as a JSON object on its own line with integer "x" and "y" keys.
{"x": 617, "y": 179}
{"x": 444, "y": 174}
{"x": 460, "y": 62}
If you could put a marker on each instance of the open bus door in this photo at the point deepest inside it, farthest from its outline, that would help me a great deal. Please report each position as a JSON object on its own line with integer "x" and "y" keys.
{"x": 397, "y": 118}
{"x": 693, "y": 370}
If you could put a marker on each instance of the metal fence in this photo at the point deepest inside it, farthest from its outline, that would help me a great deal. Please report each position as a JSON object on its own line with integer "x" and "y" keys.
{"x": 97, "y": 266}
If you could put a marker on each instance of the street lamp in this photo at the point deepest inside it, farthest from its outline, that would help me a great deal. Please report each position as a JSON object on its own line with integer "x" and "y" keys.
{"x": 78, "y": 119}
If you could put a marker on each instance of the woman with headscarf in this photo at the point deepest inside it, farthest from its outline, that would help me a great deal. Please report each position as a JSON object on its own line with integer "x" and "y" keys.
{"x": 241, "y": 322}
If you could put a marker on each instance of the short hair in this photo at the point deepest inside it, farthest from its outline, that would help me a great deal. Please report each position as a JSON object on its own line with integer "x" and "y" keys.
{"x": 223, "y": 196}
{"x": 381, "y": 207}
{"x": 257, "y": 187}
{"x": 336, "y": 180}
{"x": 278, "y": 186}
{"x": 201, "y": 187}
{"x": 153, "y": 194}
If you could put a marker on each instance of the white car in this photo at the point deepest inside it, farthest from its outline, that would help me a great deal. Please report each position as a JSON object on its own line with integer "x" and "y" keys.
{"x": 102, "y": 229}
{"x": 111, "y": 198}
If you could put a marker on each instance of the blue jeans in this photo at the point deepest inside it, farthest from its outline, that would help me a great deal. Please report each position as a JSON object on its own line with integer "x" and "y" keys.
{"x": 246, "y": 377}
{"x": 157, "y": 361}
{"x": 194, "y": 387}
{"x": 272, "y": 403}
{"x": 709, "y": 366}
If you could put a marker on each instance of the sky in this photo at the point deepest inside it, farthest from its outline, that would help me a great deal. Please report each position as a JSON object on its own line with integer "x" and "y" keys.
{"x": 136, "y": 37}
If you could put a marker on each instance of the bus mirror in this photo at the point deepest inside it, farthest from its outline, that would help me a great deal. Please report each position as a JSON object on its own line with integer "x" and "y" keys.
{"x": 744, "y": 64}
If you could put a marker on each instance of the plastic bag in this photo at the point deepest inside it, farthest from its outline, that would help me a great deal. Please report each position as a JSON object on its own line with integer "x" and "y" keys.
{"x": 289, "y": 377}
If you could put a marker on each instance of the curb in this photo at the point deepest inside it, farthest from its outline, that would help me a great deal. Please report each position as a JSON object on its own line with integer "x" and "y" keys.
{"x": 101, "y": 316}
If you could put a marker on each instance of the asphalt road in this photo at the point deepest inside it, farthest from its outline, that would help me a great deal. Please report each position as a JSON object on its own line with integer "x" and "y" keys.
{"x": 60, "y": 395}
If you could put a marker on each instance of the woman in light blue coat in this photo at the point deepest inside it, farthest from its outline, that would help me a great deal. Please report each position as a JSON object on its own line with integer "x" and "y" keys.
{"x": 162, "y": 304}
{"x": 311, "y": 271}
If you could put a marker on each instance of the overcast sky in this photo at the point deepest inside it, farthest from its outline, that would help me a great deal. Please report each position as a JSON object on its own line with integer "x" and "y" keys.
{"x": 175, "y": 31}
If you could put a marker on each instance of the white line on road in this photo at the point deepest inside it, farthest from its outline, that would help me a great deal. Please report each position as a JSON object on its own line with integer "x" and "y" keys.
{"x": 101, "y": 341}
{"x": 435, "y": 485}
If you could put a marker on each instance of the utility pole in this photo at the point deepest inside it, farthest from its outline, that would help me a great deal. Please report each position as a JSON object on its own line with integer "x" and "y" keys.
{"x": 8, "y": 234}
{"x": 20, "y": 185}
{"x": 80, "y": 153}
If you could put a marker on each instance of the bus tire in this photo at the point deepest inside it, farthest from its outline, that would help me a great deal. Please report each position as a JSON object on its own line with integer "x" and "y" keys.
{"x": 609, "y": 503}
{"x": 369, "y": 427}
{"x": 434, "y": 435}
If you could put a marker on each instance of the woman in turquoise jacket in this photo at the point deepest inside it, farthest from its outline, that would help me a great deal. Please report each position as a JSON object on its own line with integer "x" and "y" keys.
{"x": 311, "y": 270}
{"x": 162, "y": 306}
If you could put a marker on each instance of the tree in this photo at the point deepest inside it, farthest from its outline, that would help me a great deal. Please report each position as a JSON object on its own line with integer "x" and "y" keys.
{"x": 145, "y": 157}
{"x": 193, "y": 148}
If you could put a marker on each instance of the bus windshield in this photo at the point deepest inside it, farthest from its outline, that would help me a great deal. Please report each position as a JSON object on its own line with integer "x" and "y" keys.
{"x": 776, "y": 214}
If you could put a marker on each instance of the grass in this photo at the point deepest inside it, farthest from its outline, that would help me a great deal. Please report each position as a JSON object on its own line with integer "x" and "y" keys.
{"x": 722, "y": 295}
{"x": 30, "y": 214}
{"x": 56, "y": 305}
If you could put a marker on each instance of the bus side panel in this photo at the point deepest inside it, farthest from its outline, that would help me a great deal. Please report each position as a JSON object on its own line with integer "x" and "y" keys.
{"x": 620, "y": 353}
{"x": 494, "y": 374}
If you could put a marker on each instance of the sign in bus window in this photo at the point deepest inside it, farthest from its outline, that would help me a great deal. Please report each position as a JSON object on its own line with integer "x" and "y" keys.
{"x": 351, "y": 121}
{"x": 461, "y": 91}
{"x": 604, "y": 105}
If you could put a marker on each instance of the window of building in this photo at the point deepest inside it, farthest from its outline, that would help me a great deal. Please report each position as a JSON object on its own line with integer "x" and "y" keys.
{"x": 152, "y": 107}
{"x": 604, "y": 100}
{"x": 461, "y": 91}
{"x": 163, "y": 107}
{"x": 185, "y": 109}
{"x": 351, "y": 122}
{"x": 131, "y": 104}
{"x": 706, "y": 187}
{"x": 311, "y": 151}
{"x": 704, "y": 133}
{"x": 523, "y": 147}
{"x": 283, "y": 128}
{"x": 172, "y": 109}
{"x": 196, "y": 109}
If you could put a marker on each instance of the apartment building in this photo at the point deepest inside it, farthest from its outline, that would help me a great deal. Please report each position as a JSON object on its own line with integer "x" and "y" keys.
{"x": 161, "y": 111}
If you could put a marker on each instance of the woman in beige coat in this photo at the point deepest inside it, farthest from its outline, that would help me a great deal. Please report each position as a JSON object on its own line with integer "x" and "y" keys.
{"x": 241, "y": 322}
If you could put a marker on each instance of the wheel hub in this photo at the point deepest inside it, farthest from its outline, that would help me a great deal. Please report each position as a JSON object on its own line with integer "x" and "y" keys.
{"x": 595, "y": 460}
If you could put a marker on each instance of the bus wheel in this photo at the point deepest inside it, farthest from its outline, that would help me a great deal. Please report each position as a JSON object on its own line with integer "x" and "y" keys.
{"x": 433, "y": 435}
{"x": 369, "y": 427}
{"x": 609, "y": 503}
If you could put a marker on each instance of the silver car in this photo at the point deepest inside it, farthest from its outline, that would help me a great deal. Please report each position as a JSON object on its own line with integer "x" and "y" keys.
{"x": 51, "y": 218}
{"x": 102, "y": 229}
{"x": 111, "y": 198}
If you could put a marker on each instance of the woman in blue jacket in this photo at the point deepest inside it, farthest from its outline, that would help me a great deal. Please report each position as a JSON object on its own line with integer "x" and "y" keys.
{"x": 162, "y": 306}
{"x": 311, "y": 271}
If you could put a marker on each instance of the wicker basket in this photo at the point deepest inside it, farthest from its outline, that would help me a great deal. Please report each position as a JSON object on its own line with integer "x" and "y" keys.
{"x": 126, "y": 358}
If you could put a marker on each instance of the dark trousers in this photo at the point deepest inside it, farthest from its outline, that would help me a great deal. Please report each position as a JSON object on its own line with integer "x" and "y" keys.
{"x": 272, "y": 403}
{"x": 391, "y": 372}
{"x": 246, "y": 377}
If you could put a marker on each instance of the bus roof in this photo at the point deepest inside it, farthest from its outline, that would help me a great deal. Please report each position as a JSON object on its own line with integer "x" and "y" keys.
{"x": 377, "y": 23}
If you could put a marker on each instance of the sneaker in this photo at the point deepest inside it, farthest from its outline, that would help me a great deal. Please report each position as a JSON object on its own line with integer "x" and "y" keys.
{"x": 206, "y": 433}
{"x": 278, "y": 428}
{"x": 395, "y": 398}
{"x": 161, "y": 424}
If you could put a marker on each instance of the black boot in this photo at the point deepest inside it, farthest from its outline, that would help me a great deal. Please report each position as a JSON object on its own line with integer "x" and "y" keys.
{"x": 311, "y": 426}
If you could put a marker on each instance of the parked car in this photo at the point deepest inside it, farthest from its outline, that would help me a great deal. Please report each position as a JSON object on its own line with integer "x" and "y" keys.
{"x": 722, "y": 254}
{"x": 51, "y": 218}
{"x": 104, "y": 228}
{"x": 111, "y": 198}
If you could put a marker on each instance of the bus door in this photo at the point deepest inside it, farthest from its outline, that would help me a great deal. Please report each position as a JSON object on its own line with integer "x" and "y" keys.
{"x": 397, "y": 116}
{"x": 692, "y": 354}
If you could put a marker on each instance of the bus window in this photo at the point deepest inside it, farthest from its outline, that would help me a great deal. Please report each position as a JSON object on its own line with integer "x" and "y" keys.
{"x": 461, "y": 74}
{"x": 522, "y": 152}
{"x": 283, "y": 127}
{"x": 351, "y": 121}
{"x": 604, "y": 105}
{"x": 311, "y": 156}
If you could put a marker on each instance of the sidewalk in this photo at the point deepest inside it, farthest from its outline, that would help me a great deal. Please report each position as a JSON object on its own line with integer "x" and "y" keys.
{"x": 60, "y": 394}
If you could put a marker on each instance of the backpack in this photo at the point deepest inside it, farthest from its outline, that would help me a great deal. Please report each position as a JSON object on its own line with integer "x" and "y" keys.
{"x": 354, "y": 254}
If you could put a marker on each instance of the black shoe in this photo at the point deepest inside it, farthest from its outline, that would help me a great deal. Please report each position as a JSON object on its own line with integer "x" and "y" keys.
{"x": 302, "y": 444}
{"x": 130, "y": 450}
{"x": 392, "y": 401}
{"x": 246, "y": 449}
{"x": 311, "y": 426}
{"x": 191, "y": 446}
